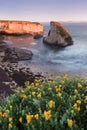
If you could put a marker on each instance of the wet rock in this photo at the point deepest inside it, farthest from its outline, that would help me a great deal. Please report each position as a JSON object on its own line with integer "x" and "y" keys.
{"x": 3, "y": 76}
{"x": 5, "y": 89}
{"x": 19, "y": 74}
{"x": 3, "y": 46}
{"x": 58, "y": 35}
{"x": 16, "y": 54}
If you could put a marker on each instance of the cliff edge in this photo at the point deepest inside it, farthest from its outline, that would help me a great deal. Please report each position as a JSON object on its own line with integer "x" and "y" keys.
{"x": 21, "y": 28}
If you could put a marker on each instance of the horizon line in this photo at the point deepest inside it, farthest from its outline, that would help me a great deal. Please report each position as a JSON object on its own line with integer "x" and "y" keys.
{"x": 67, "y": 21}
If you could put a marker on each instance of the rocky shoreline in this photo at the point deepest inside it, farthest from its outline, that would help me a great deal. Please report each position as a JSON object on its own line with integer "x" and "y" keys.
{"x": 12, "y": 76}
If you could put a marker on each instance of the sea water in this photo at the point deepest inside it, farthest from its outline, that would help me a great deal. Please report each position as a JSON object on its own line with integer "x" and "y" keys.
{"x": 72, "y": 57}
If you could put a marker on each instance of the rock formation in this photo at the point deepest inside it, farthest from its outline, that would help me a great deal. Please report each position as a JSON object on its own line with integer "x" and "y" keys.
{"x": 58, "y": 35}
{"x": 16, "y": 54}
{"x": 21, "y": 28}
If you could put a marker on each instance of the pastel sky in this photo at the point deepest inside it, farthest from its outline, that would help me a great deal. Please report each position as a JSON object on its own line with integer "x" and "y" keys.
{"x": 44, "y": 10}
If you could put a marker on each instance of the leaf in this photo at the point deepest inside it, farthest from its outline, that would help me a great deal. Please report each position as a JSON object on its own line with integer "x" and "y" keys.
{"x": 36, "y": 102}
{"x": 64, "y": 117}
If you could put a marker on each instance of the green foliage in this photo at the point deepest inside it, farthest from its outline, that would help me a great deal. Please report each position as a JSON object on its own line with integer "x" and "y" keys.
{"x": 62, "y": 31}
{"x": 56, "y": 104}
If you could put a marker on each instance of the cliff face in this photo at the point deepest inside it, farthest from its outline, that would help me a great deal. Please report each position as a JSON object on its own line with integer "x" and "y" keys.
{"x": 58, "y": 35}
{"x": 21, "y": 27}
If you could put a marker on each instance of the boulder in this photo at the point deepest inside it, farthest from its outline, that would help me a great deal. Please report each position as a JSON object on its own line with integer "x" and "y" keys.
{"x": 58, "y": 35}
{"x": 3, "y": 46}
{"x": 21, "y": 28}
{"x": 16, "y": 54}
{"x": 2, "y": 43}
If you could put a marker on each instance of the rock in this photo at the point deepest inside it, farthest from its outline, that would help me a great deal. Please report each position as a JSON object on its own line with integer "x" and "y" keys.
{"x": 21, "y": 28}
{"x": 58, "y": 35}
{"x": 3, "y": 76}
{"x": 19, "y": 74}
{"x": 5, "y": 89}
{"x": 3, "y": 46}
{"x": 16, "y": 54}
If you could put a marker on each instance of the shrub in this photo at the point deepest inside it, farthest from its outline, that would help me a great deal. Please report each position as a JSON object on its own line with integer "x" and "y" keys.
{"x": 55, "y": 104}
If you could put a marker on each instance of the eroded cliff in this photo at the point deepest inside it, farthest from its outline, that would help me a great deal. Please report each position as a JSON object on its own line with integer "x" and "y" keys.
{"x": 21, "y": 27}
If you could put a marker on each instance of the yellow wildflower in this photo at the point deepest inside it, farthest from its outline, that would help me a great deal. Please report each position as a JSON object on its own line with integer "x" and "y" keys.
{"x": 10, "y": 106}
{"x": 74, "y": 96}
{"x": 50, "y": 89}
{"x": 75, "y": 105}
{"x": 78, "y": 108}
{"x": 39, "y": 95}
{"x": 32, "y": 84}
{"x": 86, "y": 106}
{"x": 83, "y": 94}
{"x": 36, "y": 116}
{"x": 57, "y": 89}
{"x": 33, "y": 93}
{"x": 23, "y": 96}
{"x": 85, "y": 97}
{"x": 0, "y": 113}
{"x": 28, "y": 87}
{"x": 9, "y": 125}
{"x": 10, "y": 119}
{"x": 47, "y": 115}
{"x": 4, "y": 114}
{"x": 37, "y": 84}
{"x": 78, "y": 101}
{"x": 38, "y": 89}
{"x": 58, "y": 77}
{"x": 28, "y": 118}
{"x": 75, "y": 91}
{"x": 20, "y": 119}
{"x": 82, "y": 80}
{"x": 79, "y": 85}
{"x": 7, "y": 111}
{"x": 66, "y": 76}
{"x": 72, "y": 111}
{"x": 59, "y": 94}
{"x": 60, "y": 86}
{"x": 22, "y": 91}
{"x": 51, "y": 103}
{"x": 85, "y": 100}
{"x": 50, "y": 82}
{"x": 70, "y": 122}
{"x": 62, "y": 82}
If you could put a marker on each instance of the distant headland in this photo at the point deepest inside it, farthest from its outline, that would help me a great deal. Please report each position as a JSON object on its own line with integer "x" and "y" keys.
{"x": 8, "y": 27}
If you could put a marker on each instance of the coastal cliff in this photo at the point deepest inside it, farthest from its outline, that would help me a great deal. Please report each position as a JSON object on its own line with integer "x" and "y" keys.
{"x": 58, "y": 35}
{"x": 21, "y": 28}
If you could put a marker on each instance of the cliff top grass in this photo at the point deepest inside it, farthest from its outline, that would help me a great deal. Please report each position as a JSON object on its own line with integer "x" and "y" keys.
{"x": 62, "y": 30}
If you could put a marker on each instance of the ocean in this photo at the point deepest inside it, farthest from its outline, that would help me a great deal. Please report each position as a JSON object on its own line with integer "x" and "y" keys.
{"x": 69, "y": 59}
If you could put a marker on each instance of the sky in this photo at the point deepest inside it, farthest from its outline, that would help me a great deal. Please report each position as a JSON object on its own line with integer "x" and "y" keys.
{"x": 44, "y": 10}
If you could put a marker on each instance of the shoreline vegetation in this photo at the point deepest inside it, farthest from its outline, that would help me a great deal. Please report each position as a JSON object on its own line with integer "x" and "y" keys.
{"x": 39, "y": 102}
{"x": 59, "y": 104}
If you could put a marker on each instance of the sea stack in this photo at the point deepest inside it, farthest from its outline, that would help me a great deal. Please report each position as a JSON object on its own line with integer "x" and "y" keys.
{"x": 21, "y": 28}
{"x": 58, "y": 35}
